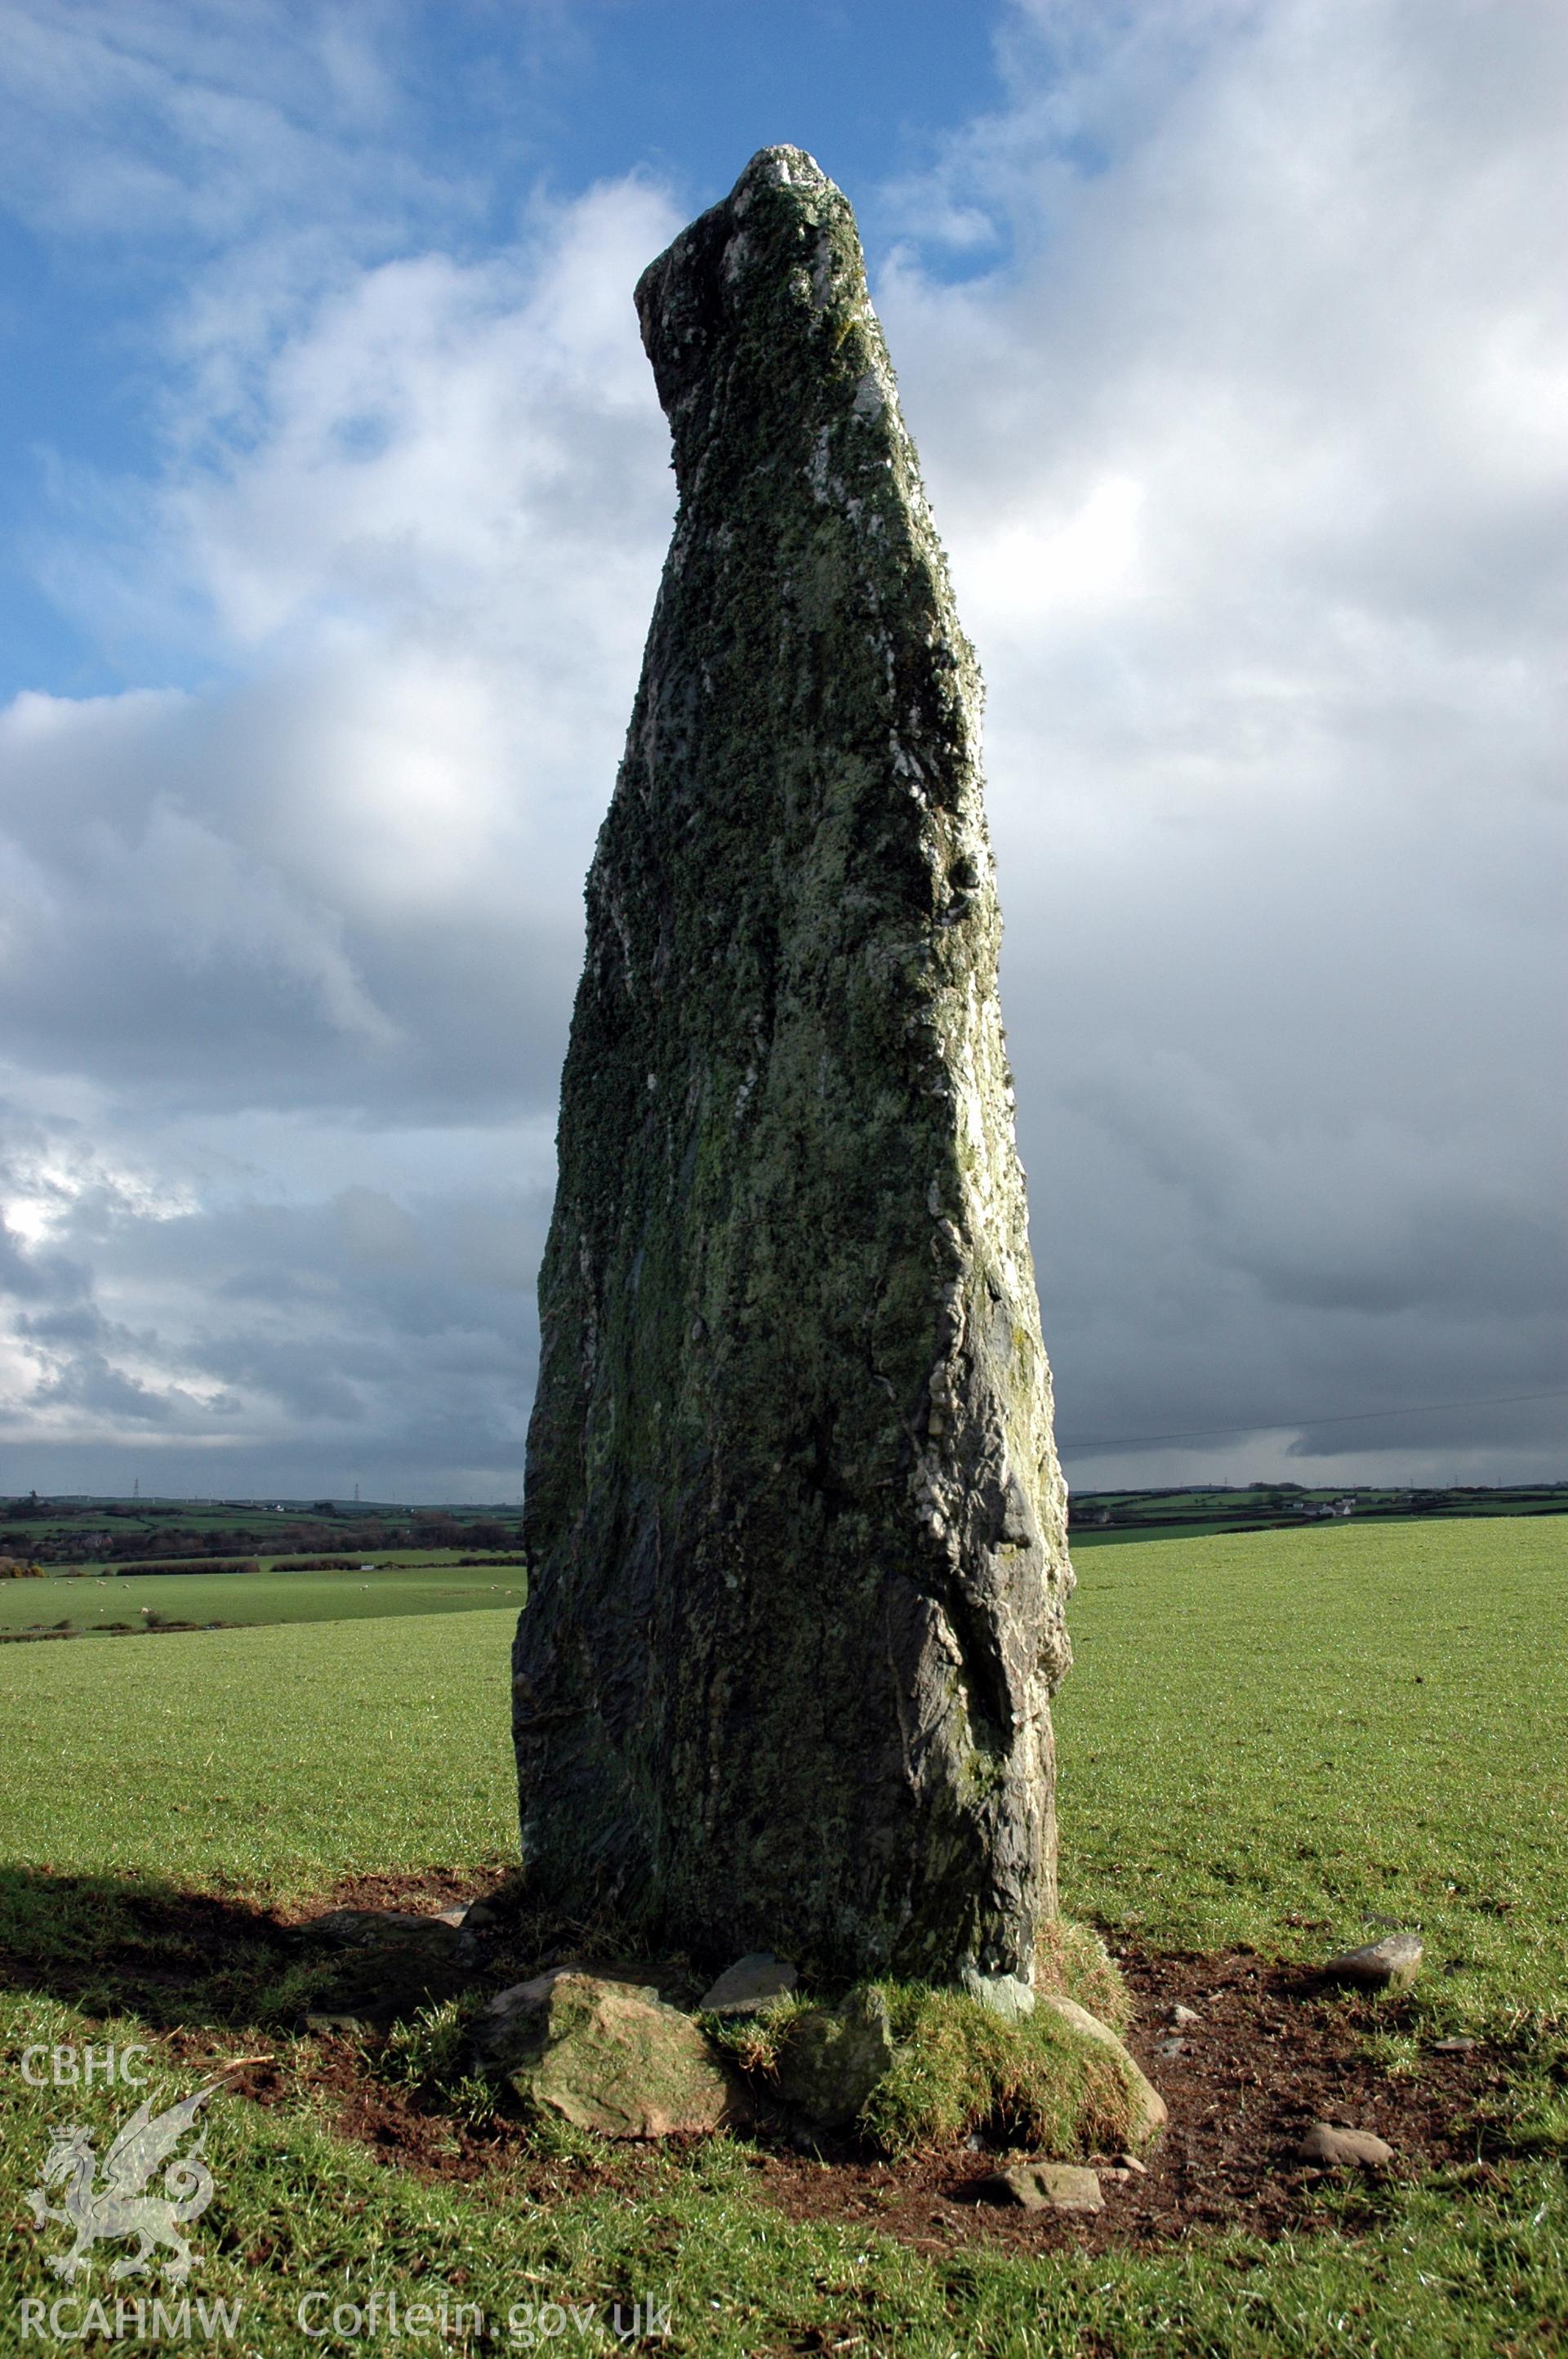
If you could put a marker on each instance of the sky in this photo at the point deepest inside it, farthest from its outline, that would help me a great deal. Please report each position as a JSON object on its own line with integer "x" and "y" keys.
{"x": 1234, "y": 337}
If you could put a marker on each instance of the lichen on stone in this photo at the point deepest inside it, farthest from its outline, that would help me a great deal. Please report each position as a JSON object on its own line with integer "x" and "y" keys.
{"x": 796, "y": 1522}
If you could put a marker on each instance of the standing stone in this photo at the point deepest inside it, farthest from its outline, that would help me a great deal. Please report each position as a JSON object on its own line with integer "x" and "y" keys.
{"x": 796, "y": 1523}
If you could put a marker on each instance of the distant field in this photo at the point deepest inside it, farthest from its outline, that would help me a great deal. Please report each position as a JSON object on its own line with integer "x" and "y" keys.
{"x": 277, "y": 1759}
{"x": 427, "y": 1585}
{"x": 1112, "y": 1517}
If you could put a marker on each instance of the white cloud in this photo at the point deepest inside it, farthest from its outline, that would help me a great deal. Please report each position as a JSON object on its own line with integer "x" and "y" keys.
{"x": 163, "y": 120}
{"x": 302, "y": 940}
{"x": 431, "y": 630}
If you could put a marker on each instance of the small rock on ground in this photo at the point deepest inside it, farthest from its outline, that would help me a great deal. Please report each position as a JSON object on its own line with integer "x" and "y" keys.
{"x": 1391, "y": 1963}
{"x": 1007, "y": 1995}
{"x": 751, "y": 1983}
{"x": 1044, "y": 2187}
{"x": 1149, "y": 2111}
{"x": 1181, "y": 2016}
{"x": 1333, "y": 2148}
{"x": 395, "y": 1960}
{"x": 535, "y": 1992}
{"x": 833, "y": 2057}
{"x": 376, "y": 1928}
{"x": 611, "y": 2058}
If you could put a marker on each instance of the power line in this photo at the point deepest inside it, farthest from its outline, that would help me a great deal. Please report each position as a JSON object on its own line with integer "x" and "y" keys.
{"x": 1278, "y": 1424}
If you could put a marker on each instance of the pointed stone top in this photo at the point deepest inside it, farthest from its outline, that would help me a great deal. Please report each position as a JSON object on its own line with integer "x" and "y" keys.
{"x": 779, "y": 168}
{"x": 764, "y": 286}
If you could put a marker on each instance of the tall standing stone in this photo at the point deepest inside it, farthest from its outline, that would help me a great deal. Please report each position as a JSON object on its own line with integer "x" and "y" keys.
{"x": 793, "y": 1515}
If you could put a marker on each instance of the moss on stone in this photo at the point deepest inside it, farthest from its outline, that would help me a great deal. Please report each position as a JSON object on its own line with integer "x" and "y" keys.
{"x": 614, "y": 2059}
{"x": 794, "y": 1520}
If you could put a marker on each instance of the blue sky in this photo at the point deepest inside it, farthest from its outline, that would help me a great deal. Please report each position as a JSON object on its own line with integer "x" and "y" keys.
{"x": 1233, "y": 336}
{"x": 487, "y": 108}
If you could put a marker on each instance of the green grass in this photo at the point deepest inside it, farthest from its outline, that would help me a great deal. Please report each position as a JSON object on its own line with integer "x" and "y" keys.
{"x": 90, "y": 1601}
{"x": 1246, "y": 1756}
{"x": 279, "y": 1758}
{"x": 958, "y": 2069}
{"x": 1276, "y": 1740}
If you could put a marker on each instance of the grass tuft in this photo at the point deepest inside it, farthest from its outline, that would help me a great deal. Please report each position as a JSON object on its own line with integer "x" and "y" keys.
{"x": 431, "y": 2048}
{"x": 958, "y": 2068}
{"x": 755, "y": 2042}
{"x": 431, "y": 2051}
{"x": 1073, "y": 1962}
{"x": 1396, "y": 2054}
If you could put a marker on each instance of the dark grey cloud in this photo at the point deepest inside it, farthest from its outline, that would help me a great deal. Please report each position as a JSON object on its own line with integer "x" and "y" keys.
{"x": 1254, "y": 482}
{"x": 343, "y": 1339}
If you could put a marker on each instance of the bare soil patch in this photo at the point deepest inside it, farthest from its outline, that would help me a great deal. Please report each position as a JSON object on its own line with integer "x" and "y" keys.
{"x": 1271, "y": 2053}
{"x": 425, "y": 1894}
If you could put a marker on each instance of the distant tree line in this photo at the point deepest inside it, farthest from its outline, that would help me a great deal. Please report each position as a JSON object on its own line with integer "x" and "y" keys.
{"x": 1267, "y": 1505}
{"x": 86, "y": 1541}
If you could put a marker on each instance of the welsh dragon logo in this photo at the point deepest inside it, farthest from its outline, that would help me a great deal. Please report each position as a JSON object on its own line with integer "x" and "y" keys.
{"x": 116, "y": 2204}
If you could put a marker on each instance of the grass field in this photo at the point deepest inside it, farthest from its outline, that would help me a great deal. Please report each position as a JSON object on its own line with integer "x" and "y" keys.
{"x": 87, "y": 1603}
{"x": 1277, "y": 1740}
{"x": 1274, "y": 1740}
{"x": 282, "y": 1757}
